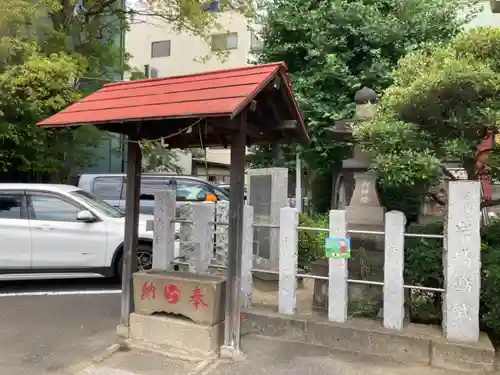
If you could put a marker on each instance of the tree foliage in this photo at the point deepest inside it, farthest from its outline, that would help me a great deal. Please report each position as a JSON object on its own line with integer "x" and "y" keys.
{"x": 159, "y": 159}
{"x": 53, "y": 52}
{"x": 444, "y": 101}
{"x": 334, "y": 47}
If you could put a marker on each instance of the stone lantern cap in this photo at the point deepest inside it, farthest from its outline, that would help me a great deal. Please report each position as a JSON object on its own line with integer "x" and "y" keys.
{"x": 365, "y": 96}
{"x": 341, "y": 131}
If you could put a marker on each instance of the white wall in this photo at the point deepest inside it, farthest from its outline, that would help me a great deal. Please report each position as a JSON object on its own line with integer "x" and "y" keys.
{"x": 485, "y": 18}
{"x": 184, "y": 161}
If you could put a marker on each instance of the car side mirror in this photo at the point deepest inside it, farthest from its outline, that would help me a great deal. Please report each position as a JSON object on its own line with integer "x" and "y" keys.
{"x": 86, "y": 216}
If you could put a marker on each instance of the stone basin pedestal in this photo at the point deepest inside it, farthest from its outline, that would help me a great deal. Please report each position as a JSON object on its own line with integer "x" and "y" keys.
{"x": 179, "y": 310}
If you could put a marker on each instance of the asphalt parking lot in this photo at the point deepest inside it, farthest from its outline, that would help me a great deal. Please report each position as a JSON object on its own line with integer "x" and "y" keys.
{"x": 55, "y": 327}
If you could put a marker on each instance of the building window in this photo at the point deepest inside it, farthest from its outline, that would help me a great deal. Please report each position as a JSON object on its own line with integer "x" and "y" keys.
{"x": 160, "y": 49}
{"x": 223, "y": 42}
{"x": 256, "y": 42}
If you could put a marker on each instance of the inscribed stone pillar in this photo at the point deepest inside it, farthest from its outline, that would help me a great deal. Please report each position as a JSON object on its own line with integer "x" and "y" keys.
{"x": 268, "y": 194}
{"x": 462, "y": 262}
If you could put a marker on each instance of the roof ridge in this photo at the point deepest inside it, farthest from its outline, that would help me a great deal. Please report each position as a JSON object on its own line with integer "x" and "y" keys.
{"x": 247, "y": 67}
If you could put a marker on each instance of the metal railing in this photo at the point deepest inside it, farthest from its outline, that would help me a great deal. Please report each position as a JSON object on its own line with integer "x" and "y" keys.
{"x": 318, "y": 277}
{"x": 313, "y": 229}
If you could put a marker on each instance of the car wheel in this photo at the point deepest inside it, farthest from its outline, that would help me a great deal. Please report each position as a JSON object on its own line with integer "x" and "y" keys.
{"x": 144, "y": 259}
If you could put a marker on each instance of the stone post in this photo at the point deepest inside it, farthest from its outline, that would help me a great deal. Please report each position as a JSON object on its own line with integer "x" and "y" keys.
{"x": 186, "y": 243}
{"x": 394, "y": 296}
{"x": 247, "y": 257}
{"x": 337, "y": 271}
{"x": 462, "y": 262}
{"x": 164, "y": 231}
{"x": 289, "y": 221}
{"x": 202, "y": 230}
{"x": 221, "y": 232}
{"x": 196, "y": 235}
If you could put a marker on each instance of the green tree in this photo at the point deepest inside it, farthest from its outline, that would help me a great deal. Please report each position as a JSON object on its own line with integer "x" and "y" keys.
{"x": 53, "y": 52}
{"x": 159, "y": 159}
{"x": 442, "y": 104}
{"x": 334, "y": 47}
{"x": 156, "y": 157}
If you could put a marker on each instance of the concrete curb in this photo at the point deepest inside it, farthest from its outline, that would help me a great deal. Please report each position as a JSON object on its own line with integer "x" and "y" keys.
{"x": 415, "y": 344}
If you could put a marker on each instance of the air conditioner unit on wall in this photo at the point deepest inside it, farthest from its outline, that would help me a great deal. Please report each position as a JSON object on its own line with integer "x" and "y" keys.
{"x": 154, "y": 73}
{"x": 151, "y": 72}
{"x": 495, "y": 6}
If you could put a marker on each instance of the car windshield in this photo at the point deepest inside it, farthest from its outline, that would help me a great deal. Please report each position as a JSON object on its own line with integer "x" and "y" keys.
{"x": 98, "y": 205}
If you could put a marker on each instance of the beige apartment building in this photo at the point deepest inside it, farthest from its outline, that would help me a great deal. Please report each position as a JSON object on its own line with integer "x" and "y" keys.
{"x": 159, "y": 51}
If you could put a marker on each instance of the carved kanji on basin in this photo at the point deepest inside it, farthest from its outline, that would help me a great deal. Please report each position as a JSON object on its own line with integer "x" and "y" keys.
{"x": 198, "y": 297}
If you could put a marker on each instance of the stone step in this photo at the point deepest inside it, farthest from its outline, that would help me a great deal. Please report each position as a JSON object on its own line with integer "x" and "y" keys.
{"x": 416, "y": 344}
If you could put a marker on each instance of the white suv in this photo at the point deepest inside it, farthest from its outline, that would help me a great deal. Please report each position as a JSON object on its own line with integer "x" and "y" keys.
{"x": 60, "y": 231}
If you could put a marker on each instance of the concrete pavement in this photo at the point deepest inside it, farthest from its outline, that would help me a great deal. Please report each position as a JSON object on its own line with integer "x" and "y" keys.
{"x": 47, "y": 334}
{"x": 263, "y": 356}
{"x": 61, "y": 333}
{"x": 137, "y": 362}
{"x": 267, "y": 356}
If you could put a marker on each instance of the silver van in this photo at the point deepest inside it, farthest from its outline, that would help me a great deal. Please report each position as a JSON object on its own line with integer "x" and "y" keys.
{"x": 112, "y": 188}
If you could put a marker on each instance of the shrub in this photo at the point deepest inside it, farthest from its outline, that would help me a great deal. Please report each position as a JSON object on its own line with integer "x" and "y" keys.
{"x": 401, "y": 198}
{"x": 423, "y": 256}
{"x": 424, "y": 267}
{"x": 322, "y": 192}
{"x": 311, "y": 244}
{"x": 490, "y": 282}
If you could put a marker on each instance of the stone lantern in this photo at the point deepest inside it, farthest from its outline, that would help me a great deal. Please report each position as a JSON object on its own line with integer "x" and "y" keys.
{"x": 355, "y": 191}
{"x": 355, "y": 188}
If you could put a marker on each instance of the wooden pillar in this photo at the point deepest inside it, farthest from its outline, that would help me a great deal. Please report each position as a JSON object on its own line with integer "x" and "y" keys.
{"x": 131, "y": 225}
{"x": 231, "y": 347}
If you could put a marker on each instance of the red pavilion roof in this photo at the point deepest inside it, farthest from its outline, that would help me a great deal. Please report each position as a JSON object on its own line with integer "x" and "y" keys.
{"x": 222, "y": 93}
